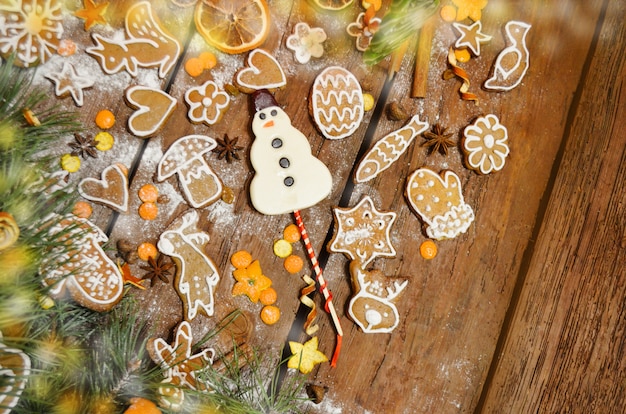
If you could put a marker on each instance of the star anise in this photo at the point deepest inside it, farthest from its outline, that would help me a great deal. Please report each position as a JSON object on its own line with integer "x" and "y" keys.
{"x": 438, "y": 140}
{"x": 227, "y": 148}
{"x": 84, "y": 147}
{"x": 157, "y": 269}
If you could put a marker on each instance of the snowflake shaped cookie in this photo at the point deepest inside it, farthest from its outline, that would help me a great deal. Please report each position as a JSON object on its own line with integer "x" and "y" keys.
{"x": 30, "y": 29}
{"x": 68, "y": 81}
{"x": 362, "y": 232}
{"x": 306, "y": 42}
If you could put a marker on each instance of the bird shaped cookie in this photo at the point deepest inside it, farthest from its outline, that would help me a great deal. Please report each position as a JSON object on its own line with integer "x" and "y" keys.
{"x": 512, "y": 62}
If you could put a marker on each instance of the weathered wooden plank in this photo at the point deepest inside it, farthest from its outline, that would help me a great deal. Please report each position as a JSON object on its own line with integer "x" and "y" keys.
{"x": 454, "y": 306}
{"x": 563, "y": 350}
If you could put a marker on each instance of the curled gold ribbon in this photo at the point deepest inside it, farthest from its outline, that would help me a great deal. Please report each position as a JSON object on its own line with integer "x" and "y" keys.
{"x": 461, "y": 74}
{"x": 309, "y": 328}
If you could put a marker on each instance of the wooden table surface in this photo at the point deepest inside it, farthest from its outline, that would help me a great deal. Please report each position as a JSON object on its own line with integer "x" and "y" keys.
{"x": 522, "y": 313}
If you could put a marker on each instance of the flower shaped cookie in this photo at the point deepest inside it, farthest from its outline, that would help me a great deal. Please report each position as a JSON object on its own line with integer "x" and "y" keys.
{"x": 485, "y": 144}
{"x": 251, "y": 281}
{"x": 363, "y": 31}
{"x": 207, "y": 103}
{"x": 306, "y": 42}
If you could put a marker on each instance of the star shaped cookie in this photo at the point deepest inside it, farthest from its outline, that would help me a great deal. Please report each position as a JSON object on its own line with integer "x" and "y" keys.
{"x": 471, "y": 36}
{"x": 69, "y": 81}
{"x": 362, "y": 232}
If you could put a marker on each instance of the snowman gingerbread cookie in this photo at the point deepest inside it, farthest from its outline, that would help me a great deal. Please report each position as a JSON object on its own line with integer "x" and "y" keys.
{"x": 287, "y": 176}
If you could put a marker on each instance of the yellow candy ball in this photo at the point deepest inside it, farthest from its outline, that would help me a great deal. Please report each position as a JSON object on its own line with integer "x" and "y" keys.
{"x": 70, "y": 163}
{"x": 282, "y": 248}
{"x": 104, "y": 141}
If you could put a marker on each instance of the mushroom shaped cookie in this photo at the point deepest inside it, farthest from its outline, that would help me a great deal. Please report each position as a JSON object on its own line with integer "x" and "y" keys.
{"x": 200, "y": 184}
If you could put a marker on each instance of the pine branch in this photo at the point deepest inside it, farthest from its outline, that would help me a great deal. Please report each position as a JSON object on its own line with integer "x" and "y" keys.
{"x": 402, "y": 21}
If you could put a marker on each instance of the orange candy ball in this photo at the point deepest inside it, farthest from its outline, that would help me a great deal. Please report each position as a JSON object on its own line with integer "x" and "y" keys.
{"x": 105, "y": 119}
{"x": 428, "y": 249}
{"x": 270, "y": 314}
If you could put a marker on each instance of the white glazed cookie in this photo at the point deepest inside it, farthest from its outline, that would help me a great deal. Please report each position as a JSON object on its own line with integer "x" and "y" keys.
{"x": 110, "y": 190}
{"x": 83, "y": 269}
{"x": 306, "y": 42}
{"x": 439, "y": 202}
{"x": 513, "y": 61}
{"x": 287, "y": 176}
{"x": 362, "y": 232}
{"x": 200, "y": 185}
{"x": 196, "y": 274}
{"x": 148, "y": 45}
{"x": 152, "y": 109}
{"x": 336, "y": 102}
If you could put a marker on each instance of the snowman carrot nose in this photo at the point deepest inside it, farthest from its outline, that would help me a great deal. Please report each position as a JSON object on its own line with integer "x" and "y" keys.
{"x": 268, "y": 124}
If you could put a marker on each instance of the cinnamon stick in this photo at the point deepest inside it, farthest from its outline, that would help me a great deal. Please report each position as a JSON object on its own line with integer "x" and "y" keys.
{"x": 422, "y": 58}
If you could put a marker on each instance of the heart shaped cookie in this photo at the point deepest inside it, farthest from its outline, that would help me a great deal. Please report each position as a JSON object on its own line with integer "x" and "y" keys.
{"x": 111, "y": 190}
{"x": 263, "y": 72}
{"x": 153, "y": 108}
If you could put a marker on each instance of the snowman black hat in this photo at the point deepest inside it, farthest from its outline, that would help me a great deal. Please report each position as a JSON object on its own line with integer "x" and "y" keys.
{"x": 263, "y": 99}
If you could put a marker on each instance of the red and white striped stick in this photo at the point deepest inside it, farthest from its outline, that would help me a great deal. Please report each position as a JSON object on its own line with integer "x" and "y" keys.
{"x": 328, "y": 306}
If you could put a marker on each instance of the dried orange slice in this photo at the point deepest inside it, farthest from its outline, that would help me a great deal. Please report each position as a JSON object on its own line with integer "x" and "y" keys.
{"x": 233, "y": 26}
{"x": 332, "y": 4}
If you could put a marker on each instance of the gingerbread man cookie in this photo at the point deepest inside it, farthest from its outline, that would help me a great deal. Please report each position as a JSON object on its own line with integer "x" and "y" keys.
{"x": 196, "y": 274}
{"x": 439, "y": 202}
